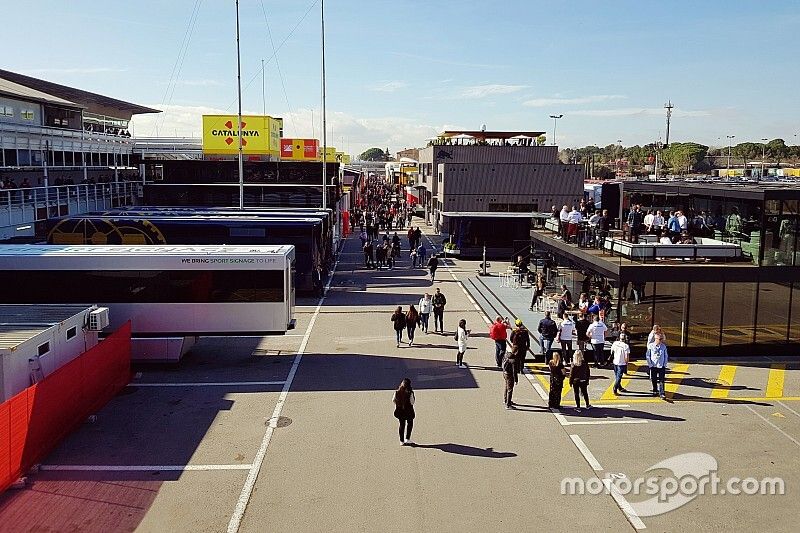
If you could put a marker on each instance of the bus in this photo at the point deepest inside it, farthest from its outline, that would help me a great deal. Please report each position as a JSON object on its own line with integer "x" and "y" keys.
{"x": 326, "y": 215}
{"x": 305, "y": 234}
{"x": 171, "y": 294}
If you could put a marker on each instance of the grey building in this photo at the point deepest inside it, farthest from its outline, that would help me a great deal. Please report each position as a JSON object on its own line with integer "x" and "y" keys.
{"x": 480, "y": 188}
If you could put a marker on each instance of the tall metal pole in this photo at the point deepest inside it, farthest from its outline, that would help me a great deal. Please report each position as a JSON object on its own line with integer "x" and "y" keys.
{"x": 324, "y": 118}
{"x": 669, "y": 107}
{"x": 730, "y": 141}
{"x": 555, "y": 118}
{"x": 763, "y": 156}
{"x": 239, "y": 122}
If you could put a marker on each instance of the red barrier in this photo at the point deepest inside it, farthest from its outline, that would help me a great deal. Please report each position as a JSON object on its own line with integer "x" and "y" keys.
{"x": 33, "y": 422}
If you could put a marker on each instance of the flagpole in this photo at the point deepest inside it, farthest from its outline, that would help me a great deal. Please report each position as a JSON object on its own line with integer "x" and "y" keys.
{"x": 239, "y": 122}
{"x": 324, "y": 118}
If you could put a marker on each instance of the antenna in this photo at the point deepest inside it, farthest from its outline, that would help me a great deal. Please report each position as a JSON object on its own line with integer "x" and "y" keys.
{"x": 669, "y": 107}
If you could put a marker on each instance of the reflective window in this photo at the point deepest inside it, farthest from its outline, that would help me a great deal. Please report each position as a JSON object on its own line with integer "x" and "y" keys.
{"x": 637, "y": 314}
{"x": 780, "y": 232}
{"x": 705, "y": 304}
{"x": 738, "y": 315}
{"x": 773, "y": 312}
{"x": 670, "y": 301}
{"x": 794, "y": 317}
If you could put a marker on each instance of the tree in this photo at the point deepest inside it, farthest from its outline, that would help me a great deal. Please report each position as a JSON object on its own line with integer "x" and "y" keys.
{"x": 373, "y": 154}
{"x": 777, "y": 150}
{"x": 684, "y": 156}
{"x": 746, "y": 152}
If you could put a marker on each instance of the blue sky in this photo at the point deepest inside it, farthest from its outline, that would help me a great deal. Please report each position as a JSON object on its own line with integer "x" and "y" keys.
{"x": 399, "y": 71}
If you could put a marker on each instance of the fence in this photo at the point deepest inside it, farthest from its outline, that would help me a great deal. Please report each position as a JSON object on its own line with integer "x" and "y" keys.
{"x": 33, "y": 422}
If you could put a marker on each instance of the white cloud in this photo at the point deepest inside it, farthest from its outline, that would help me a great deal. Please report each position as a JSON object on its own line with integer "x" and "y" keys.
{"x": 482, "y": 91}
{"x": 388, "y": 86}
{"x": 200, "y": 83}
{"x": 346, "y": 132}
{"x": 545, "y": 102}
{"x": 637, "y": 111}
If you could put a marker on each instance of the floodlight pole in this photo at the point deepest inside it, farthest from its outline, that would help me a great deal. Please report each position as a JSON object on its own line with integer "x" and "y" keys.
{"x": 324, "y": 117}
{"x": 239, "y": 116}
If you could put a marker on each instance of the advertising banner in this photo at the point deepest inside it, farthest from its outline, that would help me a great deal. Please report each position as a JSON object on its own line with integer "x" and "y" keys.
{"x": 260, "y": 134}
{"x": 299, "y": 149}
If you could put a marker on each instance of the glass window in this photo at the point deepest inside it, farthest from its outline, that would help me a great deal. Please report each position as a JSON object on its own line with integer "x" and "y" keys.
{"x": 780, "y": 232}
{"x": 72, "y": 332}
{"x": 738, "y": 314}
{"x": 637, "y": 314}
{"x": 670, "y": 303}
{"x": 794, "y": 317}
{"x": 705, "y": 304}
{"x": 773, "y": 313}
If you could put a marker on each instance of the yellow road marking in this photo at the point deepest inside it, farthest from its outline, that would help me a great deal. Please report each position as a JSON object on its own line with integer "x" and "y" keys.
{"x": 674, "y": 377}
{"x": 777, "y": 374}
{"x": 626, "y": 379}
{"x": 544, "y": 379}
{"x": 724, "y": 381}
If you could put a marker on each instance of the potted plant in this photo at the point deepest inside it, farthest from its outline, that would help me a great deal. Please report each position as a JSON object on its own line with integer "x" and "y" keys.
{"x": 451, "y": 249}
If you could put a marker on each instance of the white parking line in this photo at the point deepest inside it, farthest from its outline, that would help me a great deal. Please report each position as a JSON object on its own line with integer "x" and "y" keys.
{"x": 142, "y": 468}
{"x": 624, "y": 505}
{"x": 782, "y": 432}
{"x": 252, "y": 476}
{"x": 789, "y": 408}
{"x": 590, "y": 458}
{"x": 207, "y": 384}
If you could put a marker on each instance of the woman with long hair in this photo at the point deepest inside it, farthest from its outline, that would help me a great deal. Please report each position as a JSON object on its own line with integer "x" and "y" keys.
{"x": 404, "y": 410}
{"x": 462, "y": 334}
{"x": 412, "y": 317}
{"x": 556, "y": 381}
{"x": 399, "y": 320}
{"x": 579, "y": 379}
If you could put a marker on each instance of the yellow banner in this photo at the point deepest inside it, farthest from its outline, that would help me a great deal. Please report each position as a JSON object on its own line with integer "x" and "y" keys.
{"x": 260, "y": 134}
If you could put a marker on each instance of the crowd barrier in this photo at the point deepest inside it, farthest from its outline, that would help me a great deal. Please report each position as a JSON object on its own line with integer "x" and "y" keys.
{"x": 33, "y": 422}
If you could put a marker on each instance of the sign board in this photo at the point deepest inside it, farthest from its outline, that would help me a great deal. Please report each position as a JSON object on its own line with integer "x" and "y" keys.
{"x": 299, "y": 149}
{"x": 261, "y": 134}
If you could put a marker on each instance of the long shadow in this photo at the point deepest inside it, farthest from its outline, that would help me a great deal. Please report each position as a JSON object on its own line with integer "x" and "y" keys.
{"x": 463, "y": 449}
{"x": 617, "y": 413}
{"x": 708, "y": 384}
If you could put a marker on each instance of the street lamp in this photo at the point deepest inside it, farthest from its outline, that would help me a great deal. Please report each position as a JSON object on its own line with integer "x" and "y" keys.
{"x": 730, "y": 141}
{"x": 555, "y": 118}
{"x": 763, "y": 155}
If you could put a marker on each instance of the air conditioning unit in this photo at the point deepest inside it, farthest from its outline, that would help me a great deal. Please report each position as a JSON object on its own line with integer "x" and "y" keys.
{"x": 98, "y": 319}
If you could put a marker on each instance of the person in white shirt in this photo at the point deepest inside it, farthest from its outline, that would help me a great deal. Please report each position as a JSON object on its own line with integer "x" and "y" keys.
{"x": 682, "y": 221}
{"x": 597, "y": 334}
{"x": 575, "y": 216}
{"x": 620, "y": 354}
{"x": 648, "y": 221}
{"x": 425, "y": 308}
{"x": 563, "y": 218}
{"x": 664, "y": 240}
{"x": 566, "y": 334}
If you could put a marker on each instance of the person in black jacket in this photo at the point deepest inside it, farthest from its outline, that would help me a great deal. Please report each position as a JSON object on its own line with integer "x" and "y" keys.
{"x": 404, "y": 410}
{"x": 433, "y": 264}
{"x": 579, "y": 379}
{"x": 399, "y": 319}
{"x": 439, "y": 301}
{"x": 635, "y": 222}
{"x": 547, "y": 330}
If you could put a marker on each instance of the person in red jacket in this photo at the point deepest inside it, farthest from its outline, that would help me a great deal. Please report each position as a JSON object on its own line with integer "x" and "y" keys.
{"x": 499, "y": 333}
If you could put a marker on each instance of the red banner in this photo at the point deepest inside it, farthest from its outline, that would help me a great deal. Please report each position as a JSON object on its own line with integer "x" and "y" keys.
{"x": 34, "y": 422}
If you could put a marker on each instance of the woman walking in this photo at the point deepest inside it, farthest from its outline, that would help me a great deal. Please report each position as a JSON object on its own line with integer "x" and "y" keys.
{"x": 404, "y": 410}
{"x": 412, "y": 317}
{"x": 399, "y": 319}
{"x": 425, "y": 308}
{"x": 538, "y": 292}
{"x": 579, "y": 379}
{"x": 556, "y": 381}
{"x": 462, "y": 334}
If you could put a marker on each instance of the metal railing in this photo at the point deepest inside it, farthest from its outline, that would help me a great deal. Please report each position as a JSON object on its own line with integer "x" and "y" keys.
{"x": 48, "y": 131}
{"x": 23, "y": 205}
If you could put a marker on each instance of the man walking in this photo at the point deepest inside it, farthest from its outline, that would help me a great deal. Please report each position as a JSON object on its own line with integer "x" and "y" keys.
{"x": 498, "y": 333}
{"x": 439, "y": 301}
{"x": 597, "y": 334}
{"x": 620, "y": 353}
{"x": 547, "y": 330}
{"x": 509, "y": 367}
{"x": 657, "y": 359}
{"x": 433, "y": 264}
{"x": 520, "y": 344}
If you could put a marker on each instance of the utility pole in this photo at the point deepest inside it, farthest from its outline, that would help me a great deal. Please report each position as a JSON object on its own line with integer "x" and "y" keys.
{"x": 239, "y": 122}
{"x": 324, "y": 116}
{"x": 763, "y": 155}
{"x": 669, "y": 107}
